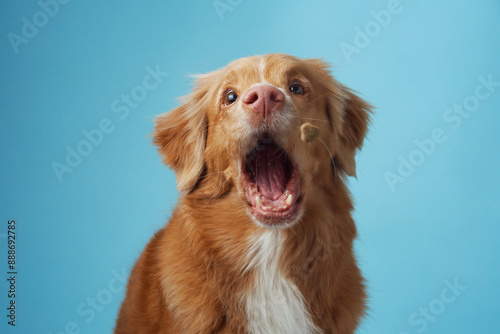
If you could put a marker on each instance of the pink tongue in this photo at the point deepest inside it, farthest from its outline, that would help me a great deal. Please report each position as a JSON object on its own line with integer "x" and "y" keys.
{"x": 270, "y": 174}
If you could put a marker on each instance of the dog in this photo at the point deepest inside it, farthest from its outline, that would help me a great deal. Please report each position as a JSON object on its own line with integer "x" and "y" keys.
{"x": 261, "y": 240}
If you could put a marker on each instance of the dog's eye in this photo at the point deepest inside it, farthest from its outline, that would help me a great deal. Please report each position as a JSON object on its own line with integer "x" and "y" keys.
{"x": 230, "y": 97}
{"x": 297, "y": 88}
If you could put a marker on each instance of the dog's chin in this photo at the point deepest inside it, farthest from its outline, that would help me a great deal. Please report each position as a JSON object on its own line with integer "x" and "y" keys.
{"x": 272, "y": 185}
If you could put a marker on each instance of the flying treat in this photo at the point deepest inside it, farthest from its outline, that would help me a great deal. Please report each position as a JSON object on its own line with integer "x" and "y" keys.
{"x": 308, "y": 132}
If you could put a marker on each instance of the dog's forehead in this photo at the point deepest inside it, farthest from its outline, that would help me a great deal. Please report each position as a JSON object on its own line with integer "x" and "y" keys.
{"x": 268, "y": 68}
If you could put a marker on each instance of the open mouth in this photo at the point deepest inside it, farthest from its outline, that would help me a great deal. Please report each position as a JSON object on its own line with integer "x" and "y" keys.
{"x": 271, "y": 183}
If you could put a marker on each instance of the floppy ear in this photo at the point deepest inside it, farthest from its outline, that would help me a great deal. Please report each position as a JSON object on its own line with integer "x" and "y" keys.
{"x": 348, "y": 115}
{"x": 355, "y": 118}
{"x": 180, "y": 136}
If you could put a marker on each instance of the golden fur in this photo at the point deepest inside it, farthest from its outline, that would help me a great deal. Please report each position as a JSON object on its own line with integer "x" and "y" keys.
{"x": 193, "y": 275}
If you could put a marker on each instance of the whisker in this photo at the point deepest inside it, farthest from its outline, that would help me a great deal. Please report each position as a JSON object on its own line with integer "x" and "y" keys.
{"x": 331, "y": 157}
{"x": 316, "y": 99}
{"x": 315, "y": 119}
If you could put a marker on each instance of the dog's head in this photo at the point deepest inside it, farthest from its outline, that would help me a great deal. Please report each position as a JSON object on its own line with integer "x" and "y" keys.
{"x": 241, "y": 127}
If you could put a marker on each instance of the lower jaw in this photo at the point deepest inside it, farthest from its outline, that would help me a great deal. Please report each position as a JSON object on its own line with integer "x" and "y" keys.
{"x": 282, "y": 219}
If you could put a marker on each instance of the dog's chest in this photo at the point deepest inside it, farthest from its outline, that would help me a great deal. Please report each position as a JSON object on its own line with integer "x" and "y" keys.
{"x": 274, "y": 304}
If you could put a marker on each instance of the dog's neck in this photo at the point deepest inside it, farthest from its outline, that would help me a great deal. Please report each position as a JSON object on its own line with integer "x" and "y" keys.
{"x": 273, "y": 304}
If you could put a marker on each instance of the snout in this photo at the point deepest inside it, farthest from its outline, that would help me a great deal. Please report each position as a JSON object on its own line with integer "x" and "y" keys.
{"x": 263, "y": 100}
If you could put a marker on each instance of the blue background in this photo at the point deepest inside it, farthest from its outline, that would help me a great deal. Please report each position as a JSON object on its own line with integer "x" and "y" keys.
{"x": 441, "y": 223}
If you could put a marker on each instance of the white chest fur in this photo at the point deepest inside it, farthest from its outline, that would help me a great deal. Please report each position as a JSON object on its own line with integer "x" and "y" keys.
{"x": 275, "y": 304}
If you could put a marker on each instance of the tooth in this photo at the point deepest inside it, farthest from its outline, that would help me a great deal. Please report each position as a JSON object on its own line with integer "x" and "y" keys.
{"x": 259, "y": 201}
{"x": 289, "y": 199}
{"x": 266, "y": 208}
